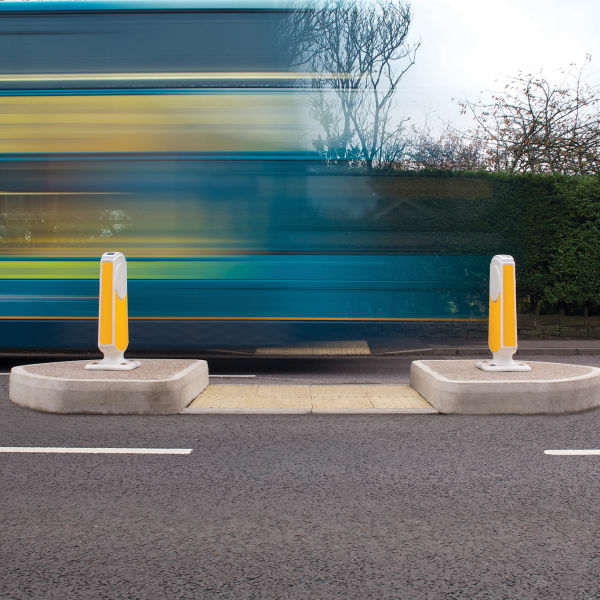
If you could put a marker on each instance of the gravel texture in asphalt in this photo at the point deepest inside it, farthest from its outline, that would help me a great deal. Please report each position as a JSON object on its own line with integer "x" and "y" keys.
{"x": 300, "y": 507}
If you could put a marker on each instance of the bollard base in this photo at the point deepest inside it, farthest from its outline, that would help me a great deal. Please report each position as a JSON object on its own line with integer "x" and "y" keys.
{"x": 459, "y": 387}
{"x": 158, "y": 387}
{"x": 105, "y": 365}
{"x": 491, "y": 365}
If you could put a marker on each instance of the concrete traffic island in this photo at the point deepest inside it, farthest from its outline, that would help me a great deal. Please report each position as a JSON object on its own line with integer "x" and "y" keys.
{"x": 459, "y": 387}
{"x": 157, "y": 387}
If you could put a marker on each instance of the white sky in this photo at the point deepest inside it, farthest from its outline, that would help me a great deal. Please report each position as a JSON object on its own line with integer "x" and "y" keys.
{"x": 471, "y": 45}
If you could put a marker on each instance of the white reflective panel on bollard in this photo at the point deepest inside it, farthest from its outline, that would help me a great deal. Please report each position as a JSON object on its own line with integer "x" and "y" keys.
{"x": 503, "y": 317}
{"x": 113, "y": 330}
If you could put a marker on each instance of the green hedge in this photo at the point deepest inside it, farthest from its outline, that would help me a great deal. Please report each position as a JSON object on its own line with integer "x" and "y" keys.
{"x": 575, "y": 270}
{"x": 550, "y": 224}
{"x": 552, "y": 228}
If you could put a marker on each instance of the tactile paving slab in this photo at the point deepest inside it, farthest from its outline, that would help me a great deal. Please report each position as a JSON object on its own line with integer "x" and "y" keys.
{"x": 302, "y": 399}
{"x": 345, "y": 348}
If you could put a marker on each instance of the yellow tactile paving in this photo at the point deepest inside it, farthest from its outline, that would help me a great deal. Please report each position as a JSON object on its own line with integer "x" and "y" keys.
{"x": 220, "y": 391}
{"x": 337, "y": 391}
{"x": 402, "y": 404}
{"x": 346, "y": 348}
{"x": 367, "y": 399}
{"x": 390, "y": 390}
{"x": 298, "y": 399}
{"x": 339, "y": 404}
{"x": 284, "y": 391}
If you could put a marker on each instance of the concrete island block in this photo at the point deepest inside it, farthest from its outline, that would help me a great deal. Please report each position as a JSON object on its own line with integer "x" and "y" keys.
{"x": 158, "y": 387}
{"x": 459, "y": 387}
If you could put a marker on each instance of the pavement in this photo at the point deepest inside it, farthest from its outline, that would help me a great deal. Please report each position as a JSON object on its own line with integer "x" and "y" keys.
{"x": 301, "y": 506}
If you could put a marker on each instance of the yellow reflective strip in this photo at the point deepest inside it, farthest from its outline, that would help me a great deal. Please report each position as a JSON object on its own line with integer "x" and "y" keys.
{"x": 121, "y": 329}
{"x": 509, "y": 308}
{"x": 106, "y": 308}
{"x": 495, "y": 326}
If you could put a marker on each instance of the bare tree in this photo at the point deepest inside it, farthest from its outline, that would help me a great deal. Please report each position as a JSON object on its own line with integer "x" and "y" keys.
{"x": 360, "y": 52}
{"x": 536, "y": 127}
{"x": 449, "y": 151}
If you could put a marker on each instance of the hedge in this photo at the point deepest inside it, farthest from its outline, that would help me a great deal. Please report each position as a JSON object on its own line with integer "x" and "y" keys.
{"x": 550, "y": 224}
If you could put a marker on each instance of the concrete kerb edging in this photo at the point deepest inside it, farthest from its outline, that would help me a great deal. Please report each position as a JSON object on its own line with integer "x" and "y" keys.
{"x": 501, "y": 394}
{"x": 105, "y": 395}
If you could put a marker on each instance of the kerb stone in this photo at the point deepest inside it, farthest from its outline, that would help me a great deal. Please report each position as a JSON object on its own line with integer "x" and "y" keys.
{"x": 158, "y": 387}
{"x": 459, "y": 387}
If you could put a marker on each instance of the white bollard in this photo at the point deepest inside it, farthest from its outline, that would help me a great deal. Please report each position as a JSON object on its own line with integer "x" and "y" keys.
{"x": 503, "y": 317}
{"x": 113, "y": 331}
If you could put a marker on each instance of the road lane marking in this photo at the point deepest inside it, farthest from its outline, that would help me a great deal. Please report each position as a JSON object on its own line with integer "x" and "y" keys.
{"x": 34, "y": 450}
{"x": 573, "y": 452}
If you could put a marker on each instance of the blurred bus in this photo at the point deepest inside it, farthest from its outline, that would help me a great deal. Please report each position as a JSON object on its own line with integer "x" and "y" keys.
{"x": 177, "y": 133}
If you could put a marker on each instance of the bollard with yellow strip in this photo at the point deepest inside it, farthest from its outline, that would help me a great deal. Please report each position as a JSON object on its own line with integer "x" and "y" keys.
{"x": 503, "y": 317}
{"x": 113, "y": 333}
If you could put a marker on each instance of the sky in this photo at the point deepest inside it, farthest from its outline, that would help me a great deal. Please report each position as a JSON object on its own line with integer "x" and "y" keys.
{"x": 472, "y": 45}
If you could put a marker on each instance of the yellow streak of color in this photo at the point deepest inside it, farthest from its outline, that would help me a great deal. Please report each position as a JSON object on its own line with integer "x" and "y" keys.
{"x": 229, "y": 122}
{"x": 173, "y": 76}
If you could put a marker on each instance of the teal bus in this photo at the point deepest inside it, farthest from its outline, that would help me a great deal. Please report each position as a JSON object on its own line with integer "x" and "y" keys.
{"x": 178, "y": 134}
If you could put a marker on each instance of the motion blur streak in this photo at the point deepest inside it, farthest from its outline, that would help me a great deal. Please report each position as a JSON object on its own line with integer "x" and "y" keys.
{"x": 45, "y": 78}
{"x": 149, "y": 123}
{"x": 182, "y": 135}
{"x": 4, "y": 193}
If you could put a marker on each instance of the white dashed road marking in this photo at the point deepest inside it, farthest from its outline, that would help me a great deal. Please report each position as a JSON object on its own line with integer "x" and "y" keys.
{"x": 34, "y": 450}
{"x": 572, "y": 452}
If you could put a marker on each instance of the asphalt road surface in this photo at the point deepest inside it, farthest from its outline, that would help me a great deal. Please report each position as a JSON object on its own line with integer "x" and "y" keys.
{"x": 293, "y": 371}
{"x": 380, "y": 506}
